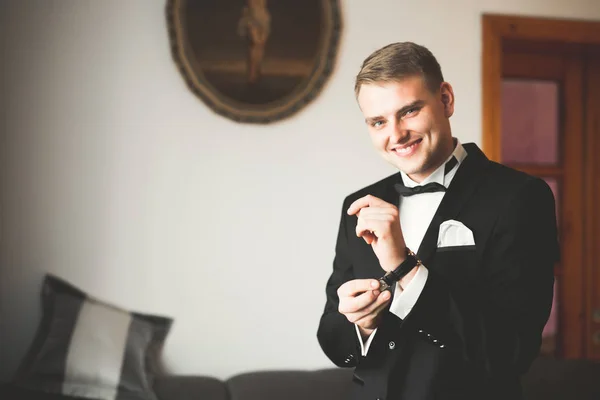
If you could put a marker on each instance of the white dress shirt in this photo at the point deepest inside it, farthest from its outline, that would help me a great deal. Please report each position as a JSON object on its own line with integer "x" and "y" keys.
{"x": 416, "y": 213}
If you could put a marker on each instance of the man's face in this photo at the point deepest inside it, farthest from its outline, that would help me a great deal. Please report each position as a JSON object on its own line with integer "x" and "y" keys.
{"x": 408, "y": 124}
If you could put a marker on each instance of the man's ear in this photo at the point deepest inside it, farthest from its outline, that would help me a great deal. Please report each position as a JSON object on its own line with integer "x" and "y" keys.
{"x": 447, "y": 96}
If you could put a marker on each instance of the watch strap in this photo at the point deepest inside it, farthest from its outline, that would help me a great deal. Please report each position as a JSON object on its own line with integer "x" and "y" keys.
{"x": 404, "y": 268}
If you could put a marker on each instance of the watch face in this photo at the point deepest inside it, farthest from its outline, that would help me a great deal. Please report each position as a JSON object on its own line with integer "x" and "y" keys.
{"x": 383, "y": 285}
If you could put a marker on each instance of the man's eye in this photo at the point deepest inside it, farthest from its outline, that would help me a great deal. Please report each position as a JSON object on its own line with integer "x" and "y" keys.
{"x": 377, "y": 124}
{"x": 411, "y": 111}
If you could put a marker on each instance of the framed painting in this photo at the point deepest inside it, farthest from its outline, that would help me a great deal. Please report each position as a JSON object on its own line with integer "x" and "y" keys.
{"x": 254, "y": 61}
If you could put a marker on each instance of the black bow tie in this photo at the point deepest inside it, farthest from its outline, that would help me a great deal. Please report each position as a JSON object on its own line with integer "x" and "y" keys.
{"x": 427, "y": 188}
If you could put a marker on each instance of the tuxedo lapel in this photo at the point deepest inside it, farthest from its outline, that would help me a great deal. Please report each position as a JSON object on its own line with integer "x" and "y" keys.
{"x": 461, "y": 188}
{"x": 389, "y": 194}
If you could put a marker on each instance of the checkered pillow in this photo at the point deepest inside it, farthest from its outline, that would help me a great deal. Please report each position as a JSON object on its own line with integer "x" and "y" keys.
{"x": 88, "y": 348}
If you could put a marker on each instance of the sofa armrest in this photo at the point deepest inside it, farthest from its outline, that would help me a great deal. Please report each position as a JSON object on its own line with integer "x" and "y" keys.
{"x": 189, "y": 388}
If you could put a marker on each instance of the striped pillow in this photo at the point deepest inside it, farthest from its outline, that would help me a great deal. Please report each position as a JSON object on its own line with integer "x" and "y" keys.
{"x": 87, "y": 348}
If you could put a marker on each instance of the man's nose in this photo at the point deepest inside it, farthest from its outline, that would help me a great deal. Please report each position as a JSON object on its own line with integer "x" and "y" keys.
{"x": 399, "y": 133}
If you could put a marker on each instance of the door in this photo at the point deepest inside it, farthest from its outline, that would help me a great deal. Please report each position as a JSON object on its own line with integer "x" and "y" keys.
{"x": 549, "y": 128}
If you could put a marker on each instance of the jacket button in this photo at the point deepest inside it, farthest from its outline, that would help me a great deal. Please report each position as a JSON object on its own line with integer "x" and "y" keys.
{"x": 392, "y": 345}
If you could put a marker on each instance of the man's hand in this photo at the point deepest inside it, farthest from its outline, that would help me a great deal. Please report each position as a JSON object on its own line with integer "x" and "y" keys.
{"x": 379, "y": 225}
{"x": 362, "y": 303}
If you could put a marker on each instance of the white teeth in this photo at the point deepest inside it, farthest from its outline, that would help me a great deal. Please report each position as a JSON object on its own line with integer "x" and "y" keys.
{"x": 406, "y": 149}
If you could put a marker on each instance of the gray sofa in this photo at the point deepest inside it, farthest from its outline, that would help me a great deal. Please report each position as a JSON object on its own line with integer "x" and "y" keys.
{"x": 548, "y": 379}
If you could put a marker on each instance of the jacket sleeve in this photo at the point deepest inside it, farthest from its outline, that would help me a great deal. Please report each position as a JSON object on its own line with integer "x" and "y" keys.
{"x": 496, "y": 325}
{"x": 336, "y": 335}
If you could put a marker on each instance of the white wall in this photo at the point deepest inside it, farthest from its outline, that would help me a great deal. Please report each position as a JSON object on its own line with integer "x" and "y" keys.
{"x": 114, "y": 176}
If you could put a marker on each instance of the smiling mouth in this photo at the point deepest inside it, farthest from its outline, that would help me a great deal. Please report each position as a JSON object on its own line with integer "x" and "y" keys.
{"x": 407, "y": 150}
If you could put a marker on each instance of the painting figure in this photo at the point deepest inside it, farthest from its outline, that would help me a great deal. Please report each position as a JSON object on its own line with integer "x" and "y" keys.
{"x": 255, "y": 25}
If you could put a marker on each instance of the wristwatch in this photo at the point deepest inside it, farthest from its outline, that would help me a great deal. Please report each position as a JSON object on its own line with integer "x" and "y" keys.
{"x": 391, "y": 277}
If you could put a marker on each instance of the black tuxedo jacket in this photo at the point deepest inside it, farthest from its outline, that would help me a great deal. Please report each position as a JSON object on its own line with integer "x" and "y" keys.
{"x": 477, "y": 324}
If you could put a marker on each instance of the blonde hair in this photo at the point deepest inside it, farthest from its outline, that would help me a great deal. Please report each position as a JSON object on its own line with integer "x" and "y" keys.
{"x": 400, "y": 60}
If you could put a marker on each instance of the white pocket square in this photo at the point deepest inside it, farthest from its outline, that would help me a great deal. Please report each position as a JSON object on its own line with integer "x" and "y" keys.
{"x": 454, "y": 233}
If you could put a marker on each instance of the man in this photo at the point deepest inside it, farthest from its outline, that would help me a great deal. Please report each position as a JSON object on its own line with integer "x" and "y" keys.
{"x": 466, "y": 317}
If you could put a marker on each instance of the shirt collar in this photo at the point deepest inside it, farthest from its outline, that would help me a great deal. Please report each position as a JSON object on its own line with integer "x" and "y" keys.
{"x": 438, "y": 175}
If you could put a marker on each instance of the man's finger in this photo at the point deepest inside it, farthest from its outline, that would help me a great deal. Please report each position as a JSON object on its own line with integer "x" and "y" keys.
{"x": 355, "y": 304}
{"x": 366, "y": 201}
{"x": 367, "y": 233}
{"x": 370, "y": 226}
{"x": 368, "y": 237}
{"x": 375, "y": 212}
{"x": 375, "y": 308}
{"x": 357, "y": 286}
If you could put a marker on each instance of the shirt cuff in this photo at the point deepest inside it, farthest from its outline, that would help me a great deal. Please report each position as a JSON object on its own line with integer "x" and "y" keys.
{"x": 364, "y": 347}
{"x": 404, "y": 300}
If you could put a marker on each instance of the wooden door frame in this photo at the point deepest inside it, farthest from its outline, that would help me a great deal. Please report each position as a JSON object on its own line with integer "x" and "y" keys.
{"x": 496, "y": 29}
{"x": 499, "y": 27}
{"x": 592, "y": 196}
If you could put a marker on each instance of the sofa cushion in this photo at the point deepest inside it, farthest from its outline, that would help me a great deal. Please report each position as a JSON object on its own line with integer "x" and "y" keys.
{"x": 325, "y": 384}
{"x": 89, "y": 348}
{"x": 190, "y": 388}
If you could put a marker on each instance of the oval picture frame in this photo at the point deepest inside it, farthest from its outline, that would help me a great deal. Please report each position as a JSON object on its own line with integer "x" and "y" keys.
{"x": 255, "y": 61}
